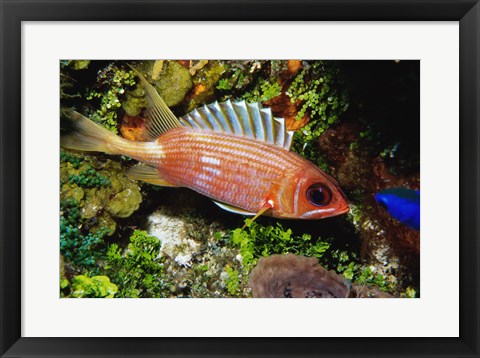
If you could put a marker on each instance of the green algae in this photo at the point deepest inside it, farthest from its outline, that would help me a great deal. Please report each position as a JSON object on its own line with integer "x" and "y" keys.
{"x": 124, "y": 203}
{"x": 88, "y": 178}
{"x": 264, "y": 91}
{"x": 106, "y": 190}
{"x": 135, "y": 101}
{"x": 324, "y": 98}
{"x": 173, "y": 83}
{"x": 77, "y": 245}
{"x": 256, "y": 240}
{"x": 138, "y": 271}
{"x": 233, "y": 282}
{"x": 94, "y": 287}
{"x": 205, "y": 82}
{"x": 87, "y": 286}
{"x": 75, "y": 64}
{"x": 238, "y": 77}
{"x": 93, "y": 195}
{"x": 106, "y": 97}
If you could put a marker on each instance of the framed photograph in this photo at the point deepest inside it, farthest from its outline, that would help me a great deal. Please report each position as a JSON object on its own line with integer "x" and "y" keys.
{"x": 172, "y": 172}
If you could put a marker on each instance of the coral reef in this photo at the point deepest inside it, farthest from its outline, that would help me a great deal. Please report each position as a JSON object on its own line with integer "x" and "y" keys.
{"x": 99, "y": 186}
{"x": 198, "y": 66}
{"x": 389, "y": 246}
{"x": 134, "y": 101}
{"x": 139, "y": 271}
{"x": 89, "y": 287}
{"x": 77, "y": 245}
{"x": 93, "y": 195}
{"x": 197, "y": 259}
{"x": 75, "y": 64}
{"x": 367, "y": 153}
{"x": 357, "y": 120}
{"x": 310, "y": 95}
{"x": 294, "y": 276}
{"x": 256, "y": 240}
{"x": 172, "y": 81}
{"x": 106, "y": 97}
{"x": 238, "y": 77}
{"x": 133, "y": 128}
{"x": 205, "y": 80}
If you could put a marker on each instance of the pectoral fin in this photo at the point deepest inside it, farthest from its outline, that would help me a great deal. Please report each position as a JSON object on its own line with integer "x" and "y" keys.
{"x": 147, "y": 174}
{"x": 268, "y": 205}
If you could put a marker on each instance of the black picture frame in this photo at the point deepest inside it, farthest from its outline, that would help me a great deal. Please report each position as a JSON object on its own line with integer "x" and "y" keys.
{"x": 13, "y": 12}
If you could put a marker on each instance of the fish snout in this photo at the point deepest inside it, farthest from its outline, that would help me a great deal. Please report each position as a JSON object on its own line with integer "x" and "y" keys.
{"x": 342, "y": 209}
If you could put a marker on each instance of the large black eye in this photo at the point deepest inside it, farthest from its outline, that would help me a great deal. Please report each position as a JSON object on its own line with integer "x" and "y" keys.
{"x": 319, "y": 195}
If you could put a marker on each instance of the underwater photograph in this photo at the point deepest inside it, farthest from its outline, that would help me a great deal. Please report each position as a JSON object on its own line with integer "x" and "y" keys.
{"x": 239, "y": 179}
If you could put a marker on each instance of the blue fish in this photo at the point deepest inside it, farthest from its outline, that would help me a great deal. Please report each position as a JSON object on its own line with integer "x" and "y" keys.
{"x": 403, "y": 204}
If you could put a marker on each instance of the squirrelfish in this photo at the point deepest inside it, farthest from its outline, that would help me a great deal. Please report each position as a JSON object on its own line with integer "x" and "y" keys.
{"x": 237, "y": 154}
{"x": 403, "y": 204}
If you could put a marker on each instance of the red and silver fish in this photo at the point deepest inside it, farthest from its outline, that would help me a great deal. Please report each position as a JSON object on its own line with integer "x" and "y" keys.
{"x": 237, "y": 154}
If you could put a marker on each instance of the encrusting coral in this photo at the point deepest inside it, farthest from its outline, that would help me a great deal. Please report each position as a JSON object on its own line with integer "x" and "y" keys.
{"x": 295, "y": 276}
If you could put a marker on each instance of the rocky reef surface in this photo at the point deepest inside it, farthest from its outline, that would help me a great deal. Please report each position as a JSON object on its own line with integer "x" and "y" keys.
{"x": 357, "y": 120}
{"x": 294, "y": 276}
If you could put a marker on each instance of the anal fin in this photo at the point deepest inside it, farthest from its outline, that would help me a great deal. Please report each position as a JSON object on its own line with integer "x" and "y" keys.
{"x": 147, "y": 174}
{"x": 233, "y": 209}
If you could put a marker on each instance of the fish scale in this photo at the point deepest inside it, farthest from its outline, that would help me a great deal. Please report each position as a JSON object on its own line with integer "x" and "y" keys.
{"x": 244, "y": 173}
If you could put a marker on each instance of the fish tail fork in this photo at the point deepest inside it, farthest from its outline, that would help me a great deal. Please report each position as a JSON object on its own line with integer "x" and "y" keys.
{"x": 88, "y": 136}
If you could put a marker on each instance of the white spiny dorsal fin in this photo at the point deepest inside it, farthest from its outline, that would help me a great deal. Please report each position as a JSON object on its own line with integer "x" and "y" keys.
{"x": 234, "y": 209}
{"x": 160, "y": 117}
{"x": 241, "y": 111}
{"x": 242, "y": 119}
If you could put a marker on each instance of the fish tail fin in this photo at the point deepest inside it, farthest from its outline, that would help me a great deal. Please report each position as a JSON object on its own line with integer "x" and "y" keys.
{"x": 85, "y": 135}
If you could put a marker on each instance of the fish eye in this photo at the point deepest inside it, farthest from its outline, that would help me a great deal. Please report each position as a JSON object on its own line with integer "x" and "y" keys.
{"x": 319, "y": 194}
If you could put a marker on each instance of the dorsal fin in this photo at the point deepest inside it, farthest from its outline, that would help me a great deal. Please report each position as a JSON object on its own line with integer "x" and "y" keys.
{"x": 160, "y": 117}
{"x": 242, "y": 119}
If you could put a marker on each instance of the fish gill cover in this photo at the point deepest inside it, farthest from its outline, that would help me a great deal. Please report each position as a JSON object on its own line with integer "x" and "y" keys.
{"x": 355, "y": 123}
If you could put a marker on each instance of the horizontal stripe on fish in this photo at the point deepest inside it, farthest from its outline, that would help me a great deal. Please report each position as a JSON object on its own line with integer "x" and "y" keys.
{"x": 237, "y": 143}
{"x": 259, "y": 153}
{"x": 253, "y": 159}
{"x": 248, "y": 168}
{"x": 243, "y": 186}
{"x": 218, "y": 152}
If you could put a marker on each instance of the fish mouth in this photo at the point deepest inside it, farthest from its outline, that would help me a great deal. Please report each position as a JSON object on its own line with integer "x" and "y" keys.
{"x": 344, "y": 209}
{"x": 323, "y": 214}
